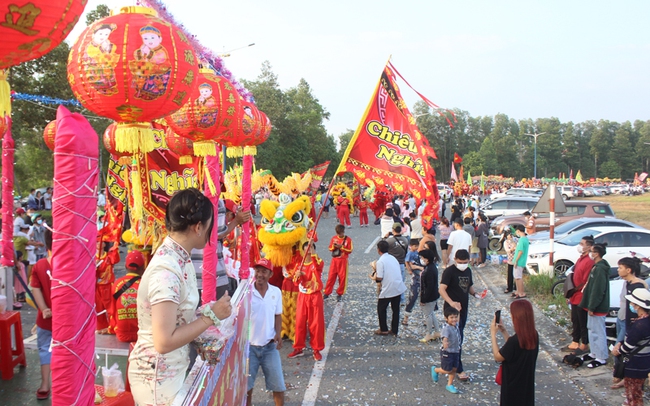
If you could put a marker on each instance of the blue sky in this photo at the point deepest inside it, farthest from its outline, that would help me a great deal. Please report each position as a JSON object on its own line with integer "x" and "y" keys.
{"x": 575, "y": 60}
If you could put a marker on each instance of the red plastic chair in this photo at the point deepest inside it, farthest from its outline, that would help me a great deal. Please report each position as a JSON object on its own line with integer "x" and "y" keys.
{"x": 9, "y": 356}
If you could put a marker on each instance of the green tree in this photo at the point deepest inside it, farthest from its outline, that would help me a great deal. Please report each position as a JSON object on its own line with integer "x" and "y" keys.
{"x": 101, "y": 11}
{"x": 622, "y": 152}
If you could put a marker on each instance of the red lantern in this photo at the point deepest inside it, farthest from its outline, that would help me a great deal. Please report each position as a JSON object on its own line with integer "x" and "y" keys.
{"x": 124, "y": 158}
{"x": 181, "y": 146}
{"x": 133, "y": 68}
{"x": 209, "y": 111}
{"x": 32, "y": 29}
{"x": 48, "y": 134}
{"x": 251, "y": 128}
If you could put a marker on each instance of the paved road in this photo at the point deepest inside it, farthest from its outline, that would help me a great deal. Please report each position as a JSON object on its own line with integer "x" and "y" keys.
{"x": 363, "y": 369}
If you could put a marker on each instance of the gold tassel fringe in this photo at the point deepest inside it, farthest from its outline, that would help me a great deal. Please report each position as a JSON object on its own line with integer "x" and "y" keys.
{"x": 185, "y": 159}
{"x": 235, "y": 152}
{"x": 250, "y": 150}
{"x": 5, "y": 94}
{"x": 134, "y": 137}
{"x": 136, "y": 192}
{"x": 205, "y": 148}
{"x": 208, "y": 176}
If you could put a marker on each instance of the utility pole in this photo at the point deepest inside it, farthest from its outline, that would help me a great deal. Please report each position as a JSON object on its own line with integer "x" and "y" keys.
{"x": 535, "y": 135}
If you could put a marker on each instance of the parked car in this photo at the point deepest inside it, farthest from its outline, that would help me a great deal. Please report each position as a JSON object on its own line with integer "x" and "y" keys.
{"x": 591, "y": 192}
{"x": 620, "y": 242}
{"x": 568, "y": 192}
{"x": 523, "y": 192}
{"x": 578, "y": 224}
{"x": 445, "y": 192}
{"x": 575, "y": 209}
{"x": 619, "y": 189}
{"x": 508, "y": 205}
{"x": 604, "y": 190}
{"x": 615, "y": 286}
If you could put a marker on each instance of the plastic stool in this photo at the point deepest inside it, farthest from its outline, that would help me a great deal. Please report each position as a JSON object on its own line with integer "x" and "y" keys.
{"x": 10, "y": 357}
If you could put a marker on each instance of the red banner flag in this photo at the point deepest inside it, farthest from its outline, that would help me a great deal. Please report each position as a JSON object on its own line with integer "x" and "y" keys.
{"x": 457, "y": 158}
{"x": 317, "y": 174}
{"x": 388, "y": 147}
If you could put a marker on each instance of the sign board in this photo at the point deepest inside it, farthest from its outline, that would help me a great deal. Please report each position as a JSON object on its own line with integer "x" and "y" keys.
{"x": 544, "y": 206}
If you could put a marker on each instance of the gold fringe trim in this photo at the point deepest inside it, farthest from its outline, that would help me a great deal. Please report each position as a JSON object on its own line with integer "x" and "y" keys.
{"x": 235, "y": 152}
{"x": 208, "y": 176}
{"x": 250, "y": 150}
{"x": 136, "y": 192}
{"x": 134, "y": 137}
{"x": 185, "y": 159}
{"x": 205, "y": 148}
{"x": 5, "y": 94}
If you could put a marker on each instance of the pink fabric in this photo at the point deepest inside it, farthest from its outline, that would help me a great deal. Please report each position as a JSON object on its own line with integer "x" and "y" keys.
{"x": 7, "y": 197}
{"x": 244, "y": 270}
{"x": 73, "y": 260}
{"x": 209, "y": 292}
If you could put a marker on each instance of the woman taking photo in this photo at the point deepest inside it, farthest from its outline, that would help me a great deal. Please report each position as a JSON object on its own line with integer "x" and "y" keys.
{"x": 636, "y": 341}
{"x": 167, "y": 301}
{"x": 518, "y": 356}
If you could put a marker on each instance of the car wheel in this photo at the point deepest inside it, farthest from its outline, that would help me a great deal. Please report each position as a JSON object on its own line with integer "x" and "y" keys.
{"x": 558, "y": 289}
{"x": 560, "y": 268}
{"x": 565, "y": 197}
{"x": 494, "y": 244}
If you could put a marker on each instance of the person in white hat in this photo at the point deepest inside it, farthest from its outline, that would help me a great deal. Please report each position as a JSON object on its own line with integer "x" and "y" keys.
{"x": 637, "y": 339}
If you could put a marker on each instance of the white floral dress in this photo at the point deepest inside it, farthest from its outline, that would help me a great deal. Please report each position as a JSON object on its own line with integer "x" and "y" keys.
{"x": 170, "y": 276}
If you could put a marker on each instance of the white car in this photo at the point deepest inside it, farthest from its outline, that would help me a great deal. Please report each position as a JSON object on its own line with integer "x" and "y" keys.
{"x": 508, "y": 205}
{"x": 522, "y": 192}
{"x": 620, "y": 242}
{"x": 445, "y": 192}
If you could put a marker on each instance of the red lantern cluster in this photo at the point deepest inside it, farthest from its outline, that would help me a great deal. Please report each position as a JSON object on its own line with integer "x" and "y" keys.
{"x": 30, "y": 29}
{"x": 181, "y": 146}
{"x": 49, "y": 133}
{"x": 132, "y": 67}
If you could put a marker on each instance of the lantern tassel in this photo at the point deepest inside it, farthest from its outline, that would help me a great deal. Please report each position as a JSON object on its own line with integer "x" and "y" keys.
{"x": 206, "y": 148}
{"x": 235, "y": 152}
{"x": 134, "y": 137}
{"x": 5, "y": 95}
{"x": 185, "y": 159}
{"x": 250, "y": 150}
{"x": 136, "y": 192}
{"x": 210, "y": 182}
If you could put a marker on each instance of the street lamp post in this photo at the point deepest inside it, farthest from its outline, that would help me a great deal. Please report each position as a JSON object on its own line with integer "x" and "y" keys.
{"x": 535, "y": 135}
{"x": 227, "y": 54}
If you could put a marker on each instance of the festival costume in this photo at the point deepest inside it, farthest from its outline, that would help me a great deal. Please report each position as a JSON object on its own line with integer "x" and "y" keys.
{"x": 290, "y": 297}
{"x": 339, "y": 266}
{"x": 124, "y": 311}
{"x": 363, "y": 212}
{"x": 309, "y": 310}
{"x": 343, "y": 211}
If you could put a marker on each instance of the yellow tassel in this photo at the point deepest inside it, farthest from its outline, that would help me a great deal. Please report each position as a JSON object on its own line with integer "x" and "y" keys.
{"x": 5, "y": 94}
{"x": 134, "y": 137}
{"x": 125, "y": 160}
{"x": 185, "y": 159}
{"x": 136, "y": 192}
{"x": 211, "y": 186}
{"x": 234, "y": 152}
{"x": 250, "y": 150}
{"x": 205, "y": 148}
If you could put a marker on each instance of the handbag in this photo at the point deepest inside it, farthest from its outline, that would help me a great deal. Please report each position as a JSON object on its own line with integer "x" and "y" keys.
{"x": 622, "y": 359}
{"x": 499, "y": 378}
{"x": 569, "y": 286}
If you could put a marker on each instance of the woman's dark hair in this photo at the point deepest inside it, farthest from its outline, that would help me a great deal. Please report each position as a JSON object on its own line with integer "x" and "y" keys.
{"x": 389, "y": 212}
{"x": 632, "y": 263}
{"x": 429, "y": 255}
{"x": 431, "y": 230}
{"x": 48, "y": 239}
{"x": 600, "y": 249}
{"x": 482, "y": 217}
{"x": 186, "y": 208}
{"x": 445, "y": 221}
{"x": 431, "y": 246}
{"x": 523, "y": 320}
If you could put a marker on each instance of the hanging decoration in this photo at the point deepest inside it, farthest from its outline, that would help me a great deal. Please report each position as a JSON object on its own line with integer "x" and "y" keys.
{"x": 44, "y": 99}
{"x": 210, "y": 111}
{"x": 48, "y": 134}
{"x": 31, "y": 29}
{"x": 181, "y": 146}
{"x": 124, "y": 158}
{"x": 132, "y": 67}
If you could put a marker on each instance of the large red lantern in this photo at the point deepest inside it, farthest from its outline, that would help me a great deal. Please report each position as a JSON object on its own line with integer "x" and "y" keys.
{"x": 181, "y": 146}
{"x": 243, "y": 138}
{"x": 132, "y": 67}
{"x": 210, "y": 111}
{"x": 30, "y": 29}
{"x": 49, "y": 133}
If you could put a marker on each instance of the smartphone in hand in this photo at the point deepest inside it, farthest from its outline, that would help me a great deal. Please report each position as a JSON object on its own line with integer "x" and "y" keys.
{"x": 497, "y": 316}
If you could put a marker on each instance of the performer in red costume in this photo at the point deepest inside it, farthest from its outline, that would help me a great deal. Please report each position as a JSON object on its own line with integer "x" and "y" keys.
{"x": 363, "y": 212}
{"x": 341, "y": 246}
{"x": 343, "y": 212}
{"x": 124, "y": 312}
{"x": 309, "y": 310}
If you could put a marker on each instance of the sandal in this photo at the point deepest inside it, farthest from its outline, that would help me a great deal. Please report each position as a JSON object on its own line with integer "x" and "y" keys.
{"x": 507, "y": 291}
{"x": 43, "y": 395}
{"x": 521, "y": 297}
{"x": 618, "y": 385}
{"x": 595, "y": 364}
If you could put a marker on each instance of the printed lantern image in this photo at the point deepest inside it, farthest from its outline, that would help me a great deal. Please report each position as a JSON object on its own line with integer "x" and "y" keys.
{"x": 132, "y": 67}
{"x": 31, "y": 29}
{"x": 49, "y": 133}
{"x": 181, "y": 146}
{"x": 210, "y": 111}
{"x": 124, "y": 158}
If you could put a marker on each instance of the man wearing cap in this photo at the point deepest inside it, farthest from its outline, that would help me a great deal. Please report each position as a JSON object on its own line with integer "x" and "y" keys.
{"x": 265, "y": 341}
{"x": 19, "y": 220}
{"x": 124, "y": 314}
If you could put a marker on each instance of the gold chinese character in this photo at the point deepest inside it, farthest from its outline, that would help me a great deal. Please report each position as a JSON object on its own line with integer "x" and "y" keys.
{"x": 189, "y": 57}
{"x": 179, "y": 97}
{"x": 227, "y": 86}
{"x": 226, "y": 122}
{"x": 25, "y": 22}
{"x": 182, "y": 37}
{"x": 231, "y": 98}
{"x": 230, "y": 111}
{"x": 189, "y": 78}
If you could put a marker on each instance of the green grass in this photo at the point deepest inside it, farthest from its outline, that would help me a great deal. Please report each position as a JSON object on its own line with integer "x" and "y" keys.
{"x": 538, "y": 288}
{"x": 628, "y": 207}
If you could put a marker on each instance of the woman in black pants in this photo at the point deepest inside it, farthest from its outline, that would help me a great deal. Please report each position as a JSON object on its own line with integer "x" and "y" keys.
{"x": 509, "y": 245}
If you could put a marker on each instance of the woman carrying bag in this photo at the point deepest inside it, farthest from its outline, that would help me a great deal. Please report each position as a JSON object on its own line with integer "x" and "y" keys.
{"x": 635, "y": 349}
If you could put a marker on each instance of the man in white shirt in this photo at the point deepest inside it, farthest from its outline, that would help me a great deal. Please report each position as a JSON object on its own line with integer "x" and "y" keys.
{"x": 389, "y": 274}
{"x": 459, "y": 239}
{"x": 47, "y": 197}
{"x": 416, "y": 227}
{"x": 265, "y": 341}
{"x": 101, "y": 200}
{"x": 19, "y": 221}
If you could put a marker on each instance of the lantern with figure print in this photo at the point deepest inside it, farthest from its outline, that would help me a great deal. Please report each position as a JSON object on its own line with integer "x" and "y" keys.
{"x": 132, "y": 67}
{"x": 209, "y": 112}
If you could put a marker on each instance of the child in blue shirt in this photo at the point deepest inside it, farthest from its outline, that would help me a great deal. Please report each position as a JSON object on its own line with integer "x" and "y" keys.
{"x": 449, "y": 353}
